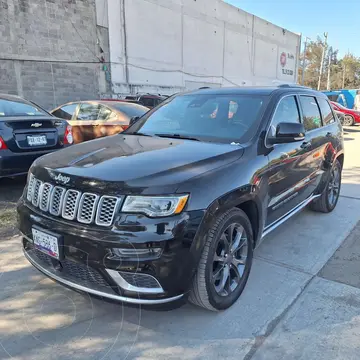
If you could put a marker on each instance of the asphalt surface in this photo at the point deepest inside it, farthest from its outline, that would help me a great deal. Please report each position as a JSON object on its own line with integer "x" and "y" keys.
{"x": 302, "y": 300}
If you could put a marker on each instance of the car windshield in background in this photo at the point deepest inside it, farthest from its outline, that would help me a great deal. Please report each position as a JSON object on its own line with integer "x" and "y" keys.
{"x": 131, "y": 109}
{"x": 223, "y": 118}
{"x": 19, "y": 108}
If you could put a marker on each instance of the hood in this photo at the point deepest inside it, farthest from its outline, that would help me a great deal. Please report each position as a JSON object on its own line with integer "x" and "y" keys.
{"x": 131, "y": 161}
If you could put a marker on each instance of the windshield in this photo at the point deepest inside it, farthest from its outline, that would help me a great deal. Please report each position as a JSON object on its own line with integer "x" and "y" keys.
{"x": 214, "y": 117}
{"x": 19, "y": 107}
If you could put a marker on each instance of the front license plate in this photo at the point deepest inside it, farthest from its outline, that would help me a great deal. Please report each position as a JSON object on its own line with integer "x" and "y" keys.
{"x": 37, "y": 140}
{"x": 46, "y": 243}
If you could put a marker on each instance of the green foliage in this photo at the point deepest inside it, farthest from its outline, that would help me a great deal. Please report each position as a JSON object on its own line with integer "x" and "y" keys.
{"x": 344, "y": 73}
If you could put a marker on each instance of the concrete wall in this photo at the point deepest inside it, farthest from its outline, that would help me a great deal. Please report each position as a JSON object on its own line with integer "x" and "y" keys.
{"x": 168, "y": 45}
{"x": 45, "y": 50}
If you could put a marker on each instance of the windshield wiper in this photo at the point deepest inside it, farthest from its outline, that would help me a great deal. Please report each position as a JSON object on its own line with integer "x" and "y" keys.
{"x": 177, "y": 136}
{"x": 136, "y": 133}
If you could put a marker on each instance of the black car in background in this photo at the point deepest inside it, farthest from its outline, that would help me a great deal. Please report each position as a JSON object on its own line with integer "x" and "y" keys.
{"x": 27, "y": 132}
{"x": 148, "y": 100}
{"x": 173, "y": 207}
{"x": 98, "y": 118}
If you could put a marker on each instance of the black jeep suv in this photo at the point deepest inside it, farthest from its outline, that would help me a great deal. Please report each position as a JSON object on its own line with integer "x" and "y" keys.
{"x": 173, "y": 207}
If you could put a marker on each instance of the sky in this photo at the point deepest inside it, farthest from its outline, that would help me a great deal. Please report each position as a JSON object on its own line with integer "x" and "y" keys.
{"x": 341, "y": 19}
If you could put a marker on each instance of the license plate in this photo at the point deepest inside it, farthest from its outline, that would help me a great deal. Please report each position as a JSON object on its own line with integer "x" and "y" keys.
{"x": 37, "y": 140}
{"x": 46, "y": 243}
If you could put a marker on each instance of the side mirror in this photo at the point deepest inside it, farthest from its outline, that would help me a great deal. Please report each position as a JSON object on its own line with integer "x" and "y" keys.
{"x": 134, "y": 119}
{"x": 288, "y": 133}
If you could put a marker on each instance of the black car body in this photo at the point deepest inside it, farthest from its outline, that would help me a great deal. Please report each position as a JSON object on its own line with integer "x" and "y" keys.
{"x": 148, "y": 100}
{"x": 26, "y": 133}
{"x": 176, "y": 204}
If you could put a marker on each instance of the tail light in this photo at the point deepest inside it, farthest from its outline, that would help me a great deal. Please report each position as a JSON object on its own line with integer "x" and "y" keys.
{"x": 68, "y": 137}
{"x": 2, "y": 144}
{"x": 124, "y": 127}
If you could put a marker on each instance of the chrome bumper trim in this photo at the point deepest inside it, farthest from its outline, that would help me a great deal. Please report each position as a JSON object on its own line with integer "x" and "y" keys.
{"x": 96, "y": 292}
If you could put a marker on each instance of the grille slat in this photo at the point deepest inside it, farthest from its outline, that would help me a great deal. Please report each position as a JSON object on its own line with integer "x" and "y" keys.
{"x": 45, "y": 196}
{"x": 106, "y": 210}
{"x": 56, "y": 200}
{"x": 87, "y": 208}
{"x": 71, "y": 204}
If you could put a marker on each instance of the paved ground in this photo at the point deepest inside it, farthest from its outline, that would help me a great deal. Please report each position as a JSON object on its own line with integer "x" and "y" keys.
{"x": 302, "y": 300}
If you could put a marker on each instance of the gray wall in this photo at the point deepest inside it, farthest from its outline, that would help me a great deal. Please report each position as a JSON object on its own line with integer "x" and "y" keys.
{"x": 49, "y": 51}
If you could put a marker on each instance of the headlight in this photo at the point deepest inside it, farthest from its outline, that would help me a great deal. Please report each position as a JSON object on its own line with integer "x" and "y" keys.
{"x": 155, "y": 206}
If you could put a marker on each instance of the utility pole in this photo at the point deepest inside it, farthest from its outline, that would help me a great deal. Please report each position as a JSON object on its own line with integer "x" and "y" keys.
{"x": 328, "y": 84}
{"x": 344, "y": 72}
{"x": 304, "y": 59}
{"x": 322, "y": 60}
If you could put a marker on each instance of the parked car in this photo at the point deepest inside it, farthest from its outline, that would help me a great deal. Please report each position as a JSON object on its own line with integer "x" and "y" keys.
{"x": 27, "y": 132}
{"x": 350, "y": 116}
{"x": 173, "y": 207}
{"x": 148, "y": 100}
{"x": 94, "y": 119}
{"x": 341, "y": 116}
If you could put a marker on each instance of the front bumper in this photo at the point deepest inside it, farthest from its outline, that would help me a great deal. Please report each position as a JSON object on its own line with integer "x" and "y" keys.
{"x": 93, "y": 262}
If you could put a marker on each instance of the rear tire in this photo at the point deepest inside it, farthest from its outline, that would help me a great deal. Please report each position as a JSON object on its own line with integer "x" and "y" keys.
{"x": 330, "y": 196}
{"x": 225, "y": 262}
{"x": 349, "y": 120}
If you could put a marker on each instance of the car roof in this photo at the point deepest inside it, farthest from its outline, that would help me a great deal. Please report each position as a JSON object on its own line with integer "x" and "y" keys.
{"x": 258, "y": 90}
{"x": 10, "y": 97}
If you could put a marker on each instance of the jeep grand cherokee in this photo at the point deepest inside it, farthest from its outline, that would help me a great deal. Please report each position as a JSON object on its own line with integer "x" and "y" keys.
{"x": 172, "y": 208}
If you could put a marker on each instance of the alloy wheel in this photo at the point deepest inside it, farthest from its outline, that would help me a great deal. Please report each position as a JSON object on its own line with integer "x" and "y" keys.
{"x": 334, "y": 185}
{"x": 230, "y": 260}
{"x": 348, "y": 120}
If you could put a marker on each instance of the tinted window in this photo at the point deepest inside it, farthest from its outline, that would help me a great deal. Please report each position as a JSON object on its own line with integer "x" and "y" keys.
{"x": 66, "y": 112}
{"x": 131, "y": 110}
{"x": 311, "y": 113}
{"x": 105, "y": 113}
{"x": 286, "y": 111}
{"x": 19, "y": 107}
{"x": 148, "y": 102}
{"x": 88, "y": 112}
{"x": 326, "y": 112}
{"x": 207, "y": 117}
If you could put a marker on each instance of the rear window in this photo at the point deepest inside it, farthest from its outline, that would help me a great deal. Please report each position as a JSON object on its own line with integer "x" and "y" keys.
{"x": 131, "y": 110}
{"x": 19, "y": 108}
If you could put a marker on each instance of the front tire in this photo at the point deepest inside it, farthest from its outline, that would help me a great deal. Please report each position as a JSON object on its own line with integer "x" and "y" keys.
{"x": 225, "y": 262}
{"x": 330, "y": 196}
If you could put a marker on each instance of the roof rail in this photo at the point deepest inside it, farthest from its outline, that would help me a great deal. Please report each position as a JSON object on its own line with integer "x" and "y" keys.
{"x": 293, "y": 86}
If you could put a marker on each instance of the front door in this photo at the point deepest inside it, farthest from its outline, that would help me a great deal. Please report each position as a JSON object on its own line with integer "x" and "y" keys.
{"x": 291, "y": 166}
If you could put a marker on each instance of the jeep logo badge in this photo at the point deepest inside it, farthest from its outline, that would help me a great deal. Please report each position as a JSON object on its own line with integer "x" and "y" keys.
{"x": 62, "y": 179}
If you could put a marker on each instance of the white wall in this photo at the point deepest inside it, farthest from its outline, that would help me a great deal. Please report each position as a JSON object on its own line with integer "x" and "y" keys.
{"x": 176, "y": 44}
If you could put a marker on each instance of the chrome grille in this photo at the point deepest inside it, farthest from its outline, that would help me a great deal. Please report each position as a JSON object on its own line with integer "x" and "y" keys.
{"x": 56, "y": 200}
{"x": 71, "y": 204}
{"x": 87, "y": 208}
{"x": 106, "y": 210}
{"x": 36, "y": 191}
{"x": 30, "y": 188}
{"x": 45, "y": 196}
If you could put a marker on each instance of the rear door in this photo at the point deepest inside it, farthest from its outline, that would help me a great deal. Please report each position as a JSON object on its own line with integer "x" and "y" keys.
{"x": 318, "y": 137}
{"x": 108, "y": 122}
{"x": 290, "y": 165}
{"x": 84, "y": 121}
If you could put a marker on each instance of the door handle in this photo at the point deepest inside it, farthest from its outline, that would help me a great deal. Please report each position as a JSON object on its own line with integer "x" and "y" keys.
{"x": 305, "y": 145}
{"x": 329, "y": 134}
